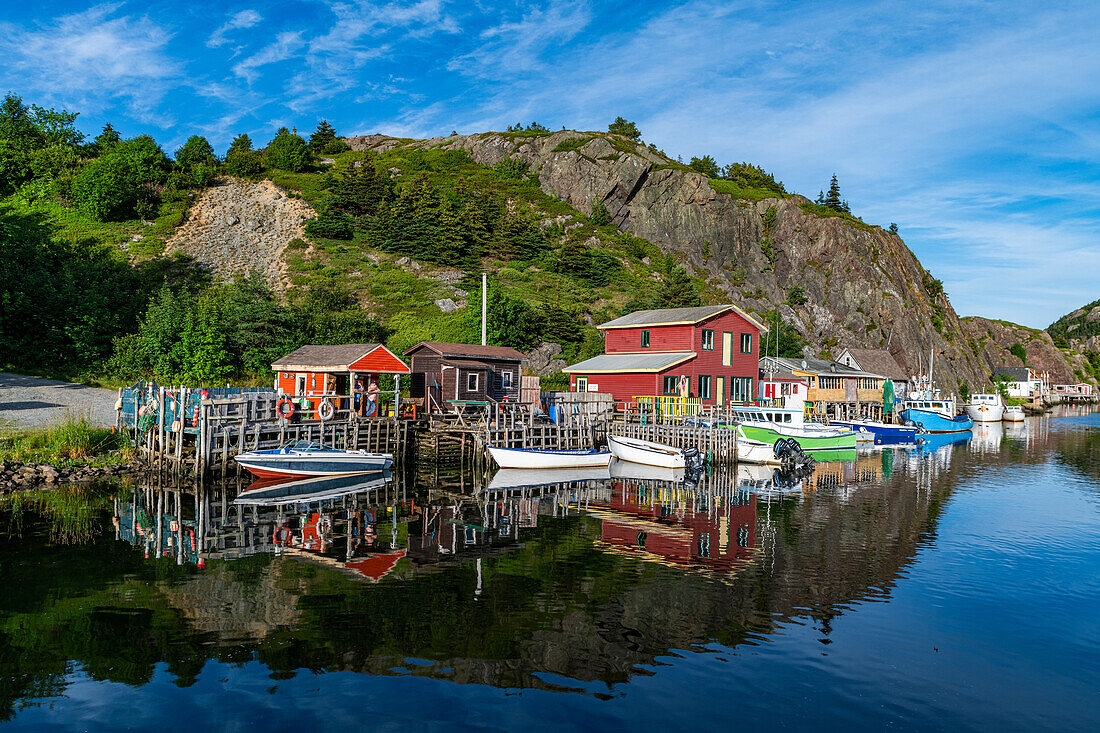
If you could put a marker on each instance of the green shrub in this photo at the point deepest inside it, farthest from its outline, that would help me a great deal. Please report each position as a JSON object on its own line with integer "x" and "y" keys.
{"x": 120, "y": 184}
{"x": 512, "y": 168}
{"x": 1018, "y": 351}
{"x": 600, "y": 215}
{"x": 287, "y": 152}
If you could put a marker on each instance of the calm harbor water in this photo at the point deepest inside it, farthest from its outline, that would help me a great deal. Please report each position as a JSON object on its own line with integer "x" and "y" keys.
{"x": 954, "y": 586}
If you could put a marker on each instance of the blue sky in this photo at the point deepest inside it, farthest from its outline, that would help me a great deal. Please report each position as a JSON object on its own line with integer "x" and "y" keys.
{"x": 973, "y": 125}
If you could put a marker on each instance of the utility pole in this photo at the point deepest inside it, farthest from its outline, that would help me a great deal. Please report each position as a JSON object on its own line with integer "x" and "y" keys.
{"x": 484, "y": 309}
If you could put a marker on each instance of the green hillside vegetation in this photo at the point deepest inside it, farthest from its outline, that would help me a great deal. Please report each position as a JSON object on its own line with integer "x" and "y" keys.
{"x": 87, "y": 292}
{"x": 1076, "y": 327}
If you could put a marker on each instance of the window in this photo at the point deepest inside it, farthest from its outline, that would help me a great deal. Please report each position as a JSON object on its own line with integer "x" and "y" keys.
{"x": 506, "y": 380}
{"x": 645, "y": 339}
{"x": 704, "y": 386}
{"x": 867, "y": 383}
{"x": 582, "y": 384}
{"x": 727, "y": 348}
{"x": 741, "y": 389}
{"x": 670, "y": 385}
{"x": 830, "y": 382}
{"x": 746, "y": 343}
{"x": 471, "y": 382}
{"x": 708, "y": 339}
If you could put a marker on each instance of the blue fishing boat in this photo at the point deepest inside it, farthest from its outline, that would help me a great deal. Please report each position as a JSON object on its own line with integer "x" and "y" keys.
{"x": 935, "y": 416}
{"x": 881, "y": 432}
{"x": 932, "y": 443}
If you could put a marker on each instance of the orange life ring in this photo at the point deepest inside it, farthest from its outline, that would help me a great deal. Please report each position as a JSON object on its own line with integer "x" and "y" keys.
{"x": 285, "y": 409}
{"x": 286, "y": 538}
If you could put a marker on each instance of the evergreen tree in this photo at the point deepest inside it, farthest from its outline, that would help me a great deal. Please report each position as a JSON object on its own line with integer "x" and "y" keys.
{"x": 622, "y": 126}
{"x": 706, "y": 165}
{"x": 106, "y": 139}
{"x": 324, "y": 140}
{"x": 677, "y": 290}
{"x": 359, "y": 190}
{"x": 832, "y": 198}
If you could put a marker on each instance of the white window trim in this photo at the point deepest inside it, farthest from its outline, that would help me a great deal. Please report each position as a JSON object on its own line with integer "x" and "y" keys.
{"x": 476, "y": 376}
{"x": 506, "y": 379}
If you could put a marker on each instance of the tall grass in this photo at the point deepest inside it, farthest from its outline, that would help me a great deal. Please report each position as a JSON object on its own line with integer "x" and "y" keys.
{"x": 74, "y": 438}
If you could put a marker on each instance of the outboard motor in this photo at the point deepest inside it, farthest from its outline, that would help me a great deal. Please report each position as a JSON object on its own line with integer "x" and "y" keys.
{"x": 693, "y": 458}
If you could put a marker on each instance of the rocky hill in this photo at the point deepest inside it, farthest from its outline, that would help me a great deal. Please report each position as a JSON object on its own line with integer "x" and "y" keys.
{"x": 997, "y": 340}
{"x": 859, "y": 284}
{"x": 1079, "y": 330}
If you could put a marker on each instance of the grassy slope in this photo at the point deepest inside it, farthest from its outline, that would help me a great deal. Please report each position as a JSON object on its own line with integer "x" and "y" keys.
{"x": 405, "y": 299}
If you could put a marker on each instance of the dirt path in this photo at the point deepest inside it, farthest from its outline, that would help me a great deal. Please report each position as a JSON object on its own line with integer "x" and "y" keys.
{"x": 31, "y": 402}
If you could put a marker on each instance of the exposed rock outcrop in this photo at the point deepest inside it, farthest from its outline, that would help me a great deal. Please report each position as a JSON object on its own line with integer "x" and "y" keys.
{"x": 238, "y": 226}
{"x": 862, "y": 285}
{"x": 994, "y": 339}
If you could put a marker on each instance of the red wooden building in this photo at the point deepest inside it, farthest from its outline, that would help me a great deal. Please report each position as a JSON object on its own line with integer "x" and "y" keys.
{"x": 344, "y": 374}
{"x": 710, "y": 352}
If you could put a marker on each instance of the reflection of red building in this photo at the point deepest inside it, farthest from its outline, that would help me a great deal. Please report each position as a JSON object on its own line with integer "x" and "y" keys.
{"x": 681, "y": 526}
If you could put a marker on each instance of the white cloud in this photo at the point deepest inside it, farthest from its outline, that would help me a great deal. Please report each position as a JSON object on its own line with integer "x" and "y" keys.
{"x": 89, "y": 60}
{"x": 516, "y": 47}
{"x": 238, "y": 21}
{"x": 286, "y": 46}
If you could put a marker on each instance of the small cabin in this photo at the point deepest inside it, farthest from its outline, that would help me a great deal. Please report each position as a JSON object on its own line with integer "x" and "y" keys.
{"x": 347, "y": 375}
{"x": 450, "y": 375}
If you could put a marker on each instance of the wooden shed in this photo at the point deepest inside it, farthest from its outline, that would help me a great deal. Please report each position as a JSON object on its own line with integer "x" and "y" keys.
{"x": 450, "y": 375}
{"x": 342, "y": 373}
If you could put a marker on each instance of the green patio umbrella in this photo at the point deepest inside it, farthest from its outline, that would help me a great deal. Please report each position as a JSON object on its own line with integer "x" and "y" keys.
{"x": 888, "y": 397}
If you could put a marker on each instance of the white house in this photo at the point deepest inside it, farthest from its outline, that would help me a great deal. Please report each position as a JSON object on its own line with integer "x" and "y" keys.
{"x": 1022, "y": 382}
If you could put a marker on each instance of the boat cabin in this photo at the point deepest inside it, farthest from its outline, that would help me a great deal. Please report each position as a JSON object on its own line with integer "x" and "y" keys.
{"x": 346, "y": 375}
{"x": 451, "y": 376}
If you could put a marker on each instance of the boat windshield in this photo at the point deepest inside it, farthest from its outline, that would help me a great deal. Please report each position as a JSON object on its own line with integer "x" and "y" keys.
{"x": 305, "y": 446}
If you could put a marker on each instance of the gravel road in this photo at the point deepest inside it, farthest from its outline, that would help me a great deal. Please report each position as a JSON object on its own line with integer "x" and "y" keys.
{"x": 30, "y": 402}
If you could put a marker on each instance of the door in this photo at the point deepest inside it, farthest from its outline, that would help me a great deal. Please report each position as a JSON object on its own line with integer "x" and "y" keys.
{"x": 727, "y": 348}
{"x": 719, "y": 391}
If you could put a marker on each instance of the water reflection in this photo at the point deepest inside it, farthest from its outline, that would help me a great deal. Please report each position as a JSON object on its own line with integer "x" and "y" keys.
{"x": 565, "y": 581}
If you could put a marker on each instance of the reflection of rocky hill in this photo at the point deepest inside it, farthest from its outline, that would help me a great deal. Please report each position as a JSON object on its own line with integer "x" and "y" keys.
{"x": 214, "y": 602}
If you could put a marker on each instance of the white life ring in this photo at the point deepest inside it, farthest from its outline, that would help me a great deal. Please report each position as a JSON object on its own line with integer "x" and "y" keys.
{"x": 326, "y": 411}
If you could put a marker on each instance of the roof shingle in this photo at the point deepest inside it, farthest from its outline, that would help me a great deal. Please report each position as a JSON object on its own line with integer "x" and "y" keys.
{"x": 469, "y": 350}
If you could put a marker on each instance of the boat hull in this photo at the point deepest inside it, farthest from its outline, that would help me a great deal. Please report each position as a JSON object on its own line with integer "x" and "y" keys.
{"x": 520, "y": 458}
{"x": 525, "y": 478}
{"x": 755, "y": 451}
{"x": 985, "y": 413}
{"x": 933, "y": 422}
{"x": 304, "y": 466}
{"x": 808, "y": 441}
{"x": 317, "y": 488}
{"x": 881, "y": 432}
{"x": 1013, "y": 416}
{"x": 646, "y": 452}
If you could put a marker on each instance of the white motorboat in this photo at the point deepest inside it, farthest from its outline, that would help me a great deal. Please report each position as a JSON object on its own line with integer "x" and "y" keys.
{"x": 650, "y": 453}
{"x": 525, "y": 458}
{"x": 754, "y": 451}
{"x": 1013, "y": 413}
{"x": 985, "y": 408}
{"x": 302, "y": 459}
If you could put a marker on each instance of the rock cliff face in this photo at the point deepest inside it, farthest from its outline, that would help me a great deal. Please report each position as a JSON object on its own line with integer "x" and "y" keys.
{"x": 238, "y": 226}
{"x": 994, "y": 340}
{"x": 862, "y": 285}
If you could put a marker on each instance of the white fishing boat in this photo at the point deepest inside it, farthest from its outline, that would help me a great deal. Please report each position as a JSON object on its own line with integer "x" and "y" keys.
{"x": 985, "y": 408}
{"x": 650, "y": 453}
{"x": 1013, "y": 413}
{"x": 527, "y": 458}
